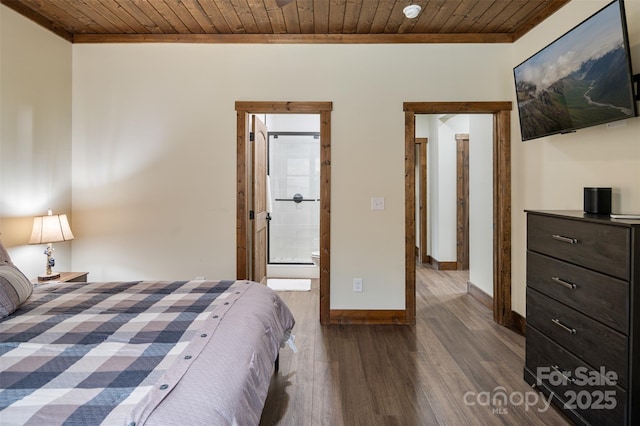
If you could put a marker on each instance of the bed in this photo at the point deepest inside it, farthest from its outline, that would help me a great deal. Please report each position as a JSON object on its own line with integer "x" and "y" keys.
{"x": 141, "y": 352}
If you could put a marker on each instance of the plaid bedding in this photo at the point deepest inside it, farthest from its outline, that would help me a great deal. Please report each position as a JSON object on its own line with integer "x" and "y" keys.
{"x": 87, "y": 354}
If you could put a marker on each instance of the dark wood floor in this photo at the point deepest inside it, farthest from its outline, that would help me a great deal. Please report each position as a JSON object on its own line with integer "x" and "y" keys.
{"x": 434, "y": 373}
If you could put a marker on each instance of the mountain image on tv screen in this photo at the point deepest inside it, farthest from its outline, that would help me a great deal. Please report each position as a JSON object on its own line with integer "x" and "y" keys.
{"x": 580, "y": 80}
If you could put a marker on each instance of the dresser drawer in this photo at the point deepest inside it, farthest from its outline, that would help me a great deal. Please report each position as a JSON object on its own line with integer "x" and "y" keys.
{"x": 599, "y": 296}
{"x": 591, "y": 341}
{"x": 600, "y": 247}
{"x": 543, "y": 355}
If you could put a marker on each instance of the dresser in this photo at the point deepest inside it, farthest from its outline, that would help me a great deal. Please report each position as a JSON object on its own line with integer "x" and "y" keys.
{"x": 583, "y": 315}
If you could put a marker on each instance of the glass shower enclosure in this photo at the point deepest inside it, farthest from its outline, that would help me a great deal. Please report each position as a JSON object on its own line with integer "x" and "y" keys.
{"x": 294, "y": 196}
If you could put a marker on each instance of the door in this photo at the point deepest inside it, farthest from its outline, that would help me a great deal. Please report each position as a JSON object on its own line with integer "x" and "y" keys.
{"x": 259, "y": 199}
{"x": 462, "y": 166}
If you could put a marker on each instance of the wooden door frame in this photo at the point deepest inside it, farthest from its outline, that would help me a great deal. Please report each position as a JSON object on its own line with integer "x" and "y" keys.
{"x": 501, "y": 199}
{"x": 243, "y": 111}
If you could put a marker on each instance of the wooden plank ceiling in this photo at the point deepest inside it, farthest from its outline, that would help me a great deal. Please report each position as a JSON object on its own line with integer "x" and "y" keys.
{"x": 298, "y": 21}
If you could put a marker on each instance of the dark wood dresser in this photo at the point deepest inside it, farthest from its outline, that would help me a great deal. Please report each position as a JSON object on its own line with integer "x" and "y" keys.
{"x": 583, "y": 314}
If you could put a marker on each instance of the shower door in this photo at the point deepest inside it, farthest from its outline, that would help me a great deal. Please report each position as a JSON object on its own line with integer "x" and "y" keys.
{"x": 294, "y": 196}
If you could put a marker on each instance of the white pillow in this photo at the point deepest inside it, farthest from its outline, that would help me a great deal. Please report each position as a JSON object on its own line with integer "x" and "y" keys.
{"x": 15, "y": 289}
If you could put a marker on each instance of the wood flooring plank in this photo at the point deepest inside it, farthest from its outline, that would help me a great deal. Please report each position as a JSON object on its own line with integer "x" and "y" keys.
{"x": 353, "y": 388}
{"x": 326, "y": 402}
{"x": 441, "y": 385}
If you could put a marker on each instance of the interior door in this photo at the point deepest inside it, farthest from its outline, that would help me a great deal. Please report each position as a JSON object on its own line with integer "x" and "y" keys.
{"x": 421, "y": 197}
{"x": 259, "y": 209}
{"x": 462, "y": 213}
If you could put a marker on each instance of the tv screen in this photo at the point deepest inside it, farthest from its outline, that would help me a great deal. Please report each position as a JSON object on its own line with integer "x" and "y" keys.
{"x": 582, "y": 79}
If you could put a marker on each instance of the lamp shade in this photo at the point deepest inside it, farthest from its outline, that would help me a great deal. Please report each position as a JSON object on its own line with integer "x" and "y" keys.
{"x": 50, "y": 229}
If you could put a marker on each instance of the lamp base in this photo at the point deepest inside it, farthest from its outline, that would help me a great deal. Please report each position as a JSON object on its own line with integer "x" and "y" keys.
{"x": 49, "y": 277}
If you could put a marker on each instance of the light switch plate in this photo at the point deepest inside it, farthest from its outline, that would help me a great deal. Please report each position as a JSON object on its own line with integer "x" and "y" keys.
{"x": 357, "y": 285}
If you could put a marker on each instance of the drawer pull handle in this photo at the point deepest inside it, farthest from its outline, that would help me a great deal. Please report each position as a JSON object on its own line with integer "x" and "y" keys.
{"x": 569, "y": 379}
{"x": 565, "y": 239}
{"x": 564, "y": 283}
{"x": 564, "y": 327}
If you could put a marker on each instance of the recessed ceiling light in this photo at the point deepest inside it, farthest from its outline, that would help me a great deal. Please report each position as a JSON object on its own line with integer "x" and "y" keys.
{"x": 412, "y": 11}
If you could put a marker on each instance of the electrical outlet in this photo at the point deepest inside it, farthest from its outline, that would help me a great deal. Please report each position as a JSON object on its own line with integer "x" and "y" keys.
{"x": 357, "y": 285}
{"x": 199, "y": 278}
{"x": 377, "y": 203}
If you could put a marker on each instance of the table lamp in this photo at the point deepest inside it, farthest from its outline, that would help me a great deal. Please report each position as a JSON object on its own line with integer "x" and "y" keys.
{"x": 49, "y": 229}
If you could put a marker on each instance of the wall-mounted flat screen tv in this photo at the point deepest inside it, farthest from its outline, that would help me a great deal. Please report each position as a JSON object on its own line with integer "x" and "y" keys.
{"x": 582, "y": 79}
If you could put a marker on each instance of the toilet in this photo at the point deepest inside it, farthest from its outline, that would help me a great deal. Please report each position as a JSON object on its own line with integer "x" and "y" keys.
{"x": 315, "y": 257}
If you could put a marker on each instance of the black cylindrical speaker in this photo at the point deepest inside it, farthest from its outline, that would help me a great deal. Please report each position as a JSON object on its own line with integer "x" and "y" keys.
{"x": 597, "y": 200}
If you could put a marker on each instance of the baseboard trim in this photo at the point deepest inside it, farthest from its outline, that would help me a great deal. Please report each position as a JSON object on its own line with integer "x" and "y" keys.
{"x": 444, "y": 266}
{"x": 479, "y": 294}
{"x": 365, "y": 316}
{"x": 518, "y": 323}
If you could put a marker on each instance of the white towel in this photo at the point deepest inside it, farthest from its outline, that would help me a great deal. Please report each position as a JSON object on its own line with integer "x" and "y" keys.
{"x": 269, "y": 199}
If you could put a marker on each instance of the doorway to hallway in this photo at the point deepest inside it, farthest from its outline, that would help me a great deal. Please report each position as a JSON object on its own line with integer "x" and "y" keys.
{"x": 501, "y": 112}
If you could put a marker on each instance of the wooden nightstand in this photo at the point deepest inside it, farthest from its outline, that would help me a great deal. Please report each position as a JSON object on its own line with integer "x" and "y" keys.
{"x": 65, "y": 277}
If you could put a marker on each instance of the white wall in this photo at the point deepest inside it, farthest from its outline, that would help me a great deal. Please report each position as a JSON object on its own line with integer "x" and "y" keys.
{"x": 444, "y": 222}
{"x": 35, "y": 137}
{"x": 433, "y": 185}
{"x": 292, "y": 122}
{"x": 154, "y": 150}
{"x": 481, "y": 201}
{"x": 423, "y": 130}
{"x": 550, "y": 173}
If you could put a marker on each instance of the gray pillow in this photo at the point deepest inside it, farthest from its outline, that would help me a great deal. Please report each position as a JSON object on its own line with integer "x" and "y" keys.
{"x": 15, "y": 289}
{"x": 4, "y": 256}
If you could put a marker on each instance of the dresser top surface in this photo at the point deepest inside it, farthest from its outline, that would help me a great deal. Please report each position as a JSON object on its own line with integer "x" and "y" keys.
{"x": 580, "y": 215}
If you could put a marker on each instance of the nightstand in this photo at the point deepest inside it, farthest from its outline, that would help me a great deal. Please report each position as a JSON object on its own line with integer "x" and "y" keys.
{"x": 65, "y": 277}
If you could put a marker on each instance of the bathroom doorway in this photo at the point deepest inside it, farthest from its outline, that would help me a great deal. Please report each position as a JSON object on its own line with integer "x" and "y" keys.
{"x": 244, "y": 206}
